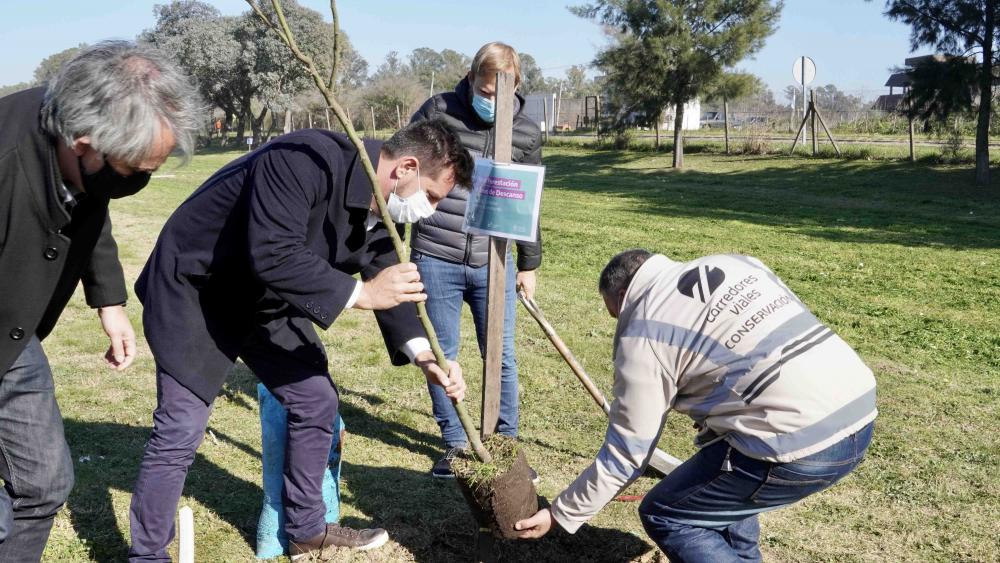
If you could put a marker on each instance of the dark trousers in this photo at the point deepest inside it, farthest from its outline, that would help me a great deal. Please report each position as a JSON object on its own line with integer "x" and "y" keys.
{"x": 35, "y": 462}
{"x": 705, "y": 511}
{"x": 179, "y": 423}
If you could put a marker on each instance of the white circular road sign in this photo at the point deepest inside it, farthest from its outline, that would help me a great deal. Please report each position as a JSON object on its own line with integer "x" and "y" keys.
{"x": 804, "y": 70}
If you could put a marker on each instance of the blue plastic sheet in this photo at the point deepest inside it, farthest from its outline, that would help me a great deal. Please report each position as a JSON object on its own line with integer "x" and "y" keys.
{"x": 271, "y": 539}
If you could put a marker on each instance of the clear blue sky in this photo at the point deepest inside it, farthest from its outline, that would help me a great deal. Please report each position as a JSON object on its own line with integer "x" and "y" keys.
{"x": 852, "y": 43}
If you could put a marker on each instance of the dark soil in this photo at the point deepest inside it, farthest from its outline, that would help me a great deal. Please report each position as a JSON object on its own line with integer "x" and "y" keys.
{"x": 500, "y": 493}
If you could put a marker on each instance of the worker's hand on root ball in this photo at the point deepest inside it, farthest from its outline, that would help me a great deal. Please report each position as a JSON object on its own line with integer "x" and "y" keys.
{"x": 390, "y": 287}
{"x": 536, "y": 526}
{"x": 453, "y": 382}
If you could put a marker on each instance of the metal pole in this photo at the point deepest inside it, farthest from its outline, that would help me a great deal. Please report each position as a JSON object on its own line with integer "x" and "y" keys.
{"x": 812, "y": 115}
{"x": 802, "y": 61}
{"x": 432, "y": 84}
{"x": 399, "y": 119}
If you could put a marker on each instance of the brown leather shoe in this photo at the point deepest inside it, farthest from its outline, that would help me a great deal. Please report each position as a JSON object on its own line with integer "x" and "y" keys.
{"x": 339, "y": 536}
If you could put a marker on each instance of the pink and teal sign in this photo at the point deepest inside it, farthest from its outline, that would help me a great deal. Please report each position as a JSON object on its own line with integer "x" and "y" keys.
{"x": 505, "y": 200}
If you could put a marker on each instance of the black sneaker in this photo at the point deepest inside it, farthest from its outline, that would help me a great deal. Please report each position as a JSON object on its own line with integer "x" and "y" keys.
{"x": 442, "y": 467}
{"x": 339, "y": 536}
{"x": 534, "y": 475}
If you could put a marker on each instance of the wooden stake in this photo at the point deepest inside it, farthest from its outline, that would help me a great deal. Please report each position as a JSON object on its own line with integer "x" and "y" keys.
{"x": 373, "y": 122}
{"x": 497, "y": 284}
{"x": 827, "y": 129}
{"x": 799, "y": 133}
{"x": 812, "y": 115}
{"x": 545, "y": 118}
{"x": 913, "y": 156}
{"x": 399, "y": 118}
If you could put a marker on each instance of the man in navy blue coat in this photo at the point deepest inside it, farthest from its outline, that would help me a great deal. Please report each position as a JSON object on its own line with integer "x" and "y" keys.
{"x": 263, "y": 250}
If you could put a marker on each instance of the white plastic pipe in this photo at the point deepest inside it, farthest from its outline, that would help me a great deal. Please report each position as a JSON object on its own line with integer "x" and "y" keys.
{"x": 186, "y": 536}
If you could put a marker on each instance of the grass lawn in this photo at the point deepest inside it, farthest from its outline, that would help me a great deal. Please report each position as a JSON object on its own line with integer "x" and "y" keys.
{"x": 902, "y": 260}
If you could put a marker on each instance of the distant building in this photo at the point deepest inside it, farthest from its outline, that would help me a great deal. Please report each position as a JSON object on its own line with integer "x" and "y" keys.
{"x": 902, "y": 80}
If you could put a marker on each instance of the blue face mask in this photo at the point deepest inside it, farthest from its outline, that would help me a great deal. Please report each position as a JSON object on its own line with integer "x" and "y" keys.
{"x": 485, "y": 108}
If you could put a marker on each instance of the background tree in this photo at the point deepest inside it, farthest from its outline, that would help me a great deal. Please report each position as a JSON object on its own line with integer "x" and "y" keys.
{"x": 963, "y": 29}
{"x": 446, "y": 68}
{"x": 456, "y": 67}
{"x": 666, "y": 53}
{"x": 532, "y": 81}
{"x": 730, "y": 86}
{"x": 831, "y": 98}
{"x": 426, "y": 65}
{"x": 577, "y": 85}
{"x": 239, "y": 64}
{"x": 51, "y": 64}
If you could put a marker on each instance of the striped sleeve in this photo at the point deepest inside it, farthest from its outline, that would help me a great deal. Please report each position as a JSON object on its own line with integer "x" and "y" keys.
{"x": 643, "y": 394}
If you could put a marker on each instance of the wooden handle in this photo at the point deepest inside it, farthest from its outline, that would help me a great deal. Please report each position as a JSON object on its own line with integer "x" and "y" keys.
{"x": 550, "y": 332}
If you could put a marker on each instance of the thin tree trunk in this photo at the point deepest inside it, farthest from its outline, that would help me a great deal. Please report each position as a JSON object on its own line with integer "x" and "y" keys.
{"x": 985, "y": 106}
{"x": 257, "y": 126}
{"x": 679, "y": 135}
{"x": 288, "y": 122}
{"x": 241, "y": 127}
{"x": 227, "y": 118}
{"x": 656, "y": 127}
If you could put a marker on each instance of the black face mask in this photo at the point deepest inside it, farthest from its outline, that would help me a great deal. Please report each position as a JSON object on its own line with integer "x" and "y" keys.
{"x": 107, "y": 182}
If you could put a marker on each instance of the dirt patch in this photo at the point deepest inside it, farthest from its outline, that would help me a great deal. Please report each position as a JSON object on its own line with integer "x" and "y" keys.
{"x": 500, "y": 493}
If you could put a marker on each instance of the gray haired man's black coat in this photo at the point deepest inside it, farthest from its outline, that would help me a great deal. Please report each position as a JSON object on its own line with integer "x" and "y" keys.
{"x": 44, "y": 252}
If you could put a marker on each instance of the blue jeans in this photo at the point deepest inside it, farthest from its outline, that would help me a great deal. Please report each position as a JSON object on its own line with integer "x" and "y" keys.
{"x": 447, "y": 285}
{"x": 702, "y": 513}
{"x": 35, "y": 462}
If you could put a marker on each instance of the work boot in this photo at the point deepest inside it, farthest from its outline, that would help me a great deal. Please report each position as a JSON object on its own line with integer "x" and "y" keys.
{"x": 442, "y": 467}
{"x": 336, "y": 535}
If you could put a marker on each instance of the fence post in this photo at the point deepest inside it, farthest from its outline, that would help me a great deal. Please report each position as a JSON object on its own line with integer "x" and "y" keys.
{"x": 555, "y": 120}
{"x": 909, "y": 116}
{"x": 725, "y": 119}
{"x": 545, "y": 121}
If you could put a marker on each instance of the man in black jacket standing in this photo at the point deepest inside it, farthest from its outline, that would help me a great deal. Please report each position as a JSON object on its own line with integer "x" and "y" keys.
{"x": 108, "y": 120}
{"x": 453, "y": 263}
{"x": 261, "y": 252}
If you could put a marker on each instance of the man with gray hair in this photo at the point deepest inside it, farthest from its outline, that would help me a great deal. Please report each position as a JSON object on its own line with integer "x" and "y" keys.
{"x": 784, "y": 407}
{"x": 108, "y": 119}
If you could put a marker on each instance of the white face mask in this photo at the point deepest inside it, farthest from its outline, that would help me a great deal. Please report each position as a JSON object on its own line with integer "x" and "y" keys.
{"x": 410, "y": 209}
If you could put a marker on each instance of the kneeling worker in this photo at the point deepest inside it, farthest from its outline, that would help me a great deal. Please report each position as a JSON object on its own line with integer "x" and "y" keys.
{"x": 784, "y": 406}
{"x": 261, "y": 252}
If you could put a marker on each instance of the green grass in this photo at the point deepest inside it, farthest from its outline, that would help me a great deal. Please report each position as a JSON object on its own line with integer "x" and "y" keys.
{"x": 902, "y": 260}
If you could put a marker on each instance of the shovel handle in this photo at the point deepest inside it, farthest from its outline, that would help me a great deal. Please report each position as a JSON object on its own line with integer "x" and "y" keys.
{"x": 563, "y": 350}
{"x": 661, "y": 461}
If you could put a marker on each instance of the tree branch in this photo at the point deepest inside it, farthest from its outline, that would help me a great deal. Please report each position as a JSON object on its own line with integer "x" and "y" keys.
{"x": 950, "y": 26}
{"x": 332, "y": 83}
